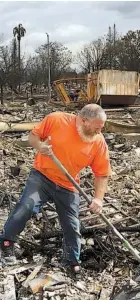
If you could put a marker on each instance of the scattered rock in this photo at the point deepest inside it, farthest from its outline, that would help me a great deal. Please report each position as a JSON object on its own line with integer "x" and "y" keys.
{"x": 137, "y": 150}
{"x": 90, "y": 242}
{"x": 15, "y": 170}
{"x": 23, "y": 142}
{"x": 129, "y": 185}
{"x": 80, "y": 285}
{"x": 31, "y": 101}
{"x": 137, "y": 173}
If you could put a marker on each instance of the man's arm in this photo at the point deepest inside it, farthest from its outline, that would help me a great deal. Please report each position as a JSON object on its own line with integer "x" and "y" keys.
{"x": 42, "y": 147}
{"x": 100, "y": 184}
{"x": 102, "y": 170}
{"x": 34, "y": 141}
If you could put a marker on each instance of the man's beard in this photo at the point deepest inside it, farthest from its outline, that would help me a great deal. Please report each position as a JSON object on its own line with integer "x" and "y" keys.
{"x": 89, "y": 138}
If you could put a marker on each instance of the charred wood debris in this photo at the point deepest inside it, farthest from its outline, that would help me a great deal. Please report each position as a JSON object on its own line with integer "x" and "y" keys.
{"x": 107, "y": 266}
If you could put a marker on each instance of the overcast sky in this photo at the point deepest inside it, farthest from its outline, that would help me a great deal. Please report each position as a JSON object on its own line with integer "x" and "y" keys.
{"x": 72, "y": 23}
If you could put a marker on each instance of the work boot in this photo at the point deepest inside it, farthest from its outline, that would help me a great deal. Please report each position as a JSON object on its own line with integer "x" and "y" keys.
{"x": 7, "y": 253}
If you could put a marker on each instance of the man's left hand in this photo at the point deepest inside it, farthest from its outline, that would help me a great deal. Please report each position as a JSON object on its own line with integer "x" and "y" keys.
{"x": 96, "y": 206}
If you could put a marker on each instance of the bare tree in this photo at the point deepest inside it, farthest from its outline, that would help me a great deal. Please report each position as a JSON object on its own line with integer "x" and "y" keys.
{"x": 90, "y": 58}
{"x": 5, "y": 65}
{"x": 60, "y": 60}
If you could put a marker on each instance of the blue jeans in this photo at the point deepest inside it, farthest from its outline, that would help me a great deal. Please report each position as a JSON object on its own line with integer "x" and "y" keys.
{"x": 38, "y": 190}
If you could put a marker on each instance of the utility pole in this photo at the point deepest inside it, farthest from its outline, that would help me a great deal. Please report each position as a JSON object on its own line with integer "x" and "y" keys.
{"x": 49, "y": 70}
{"x": 114, "y": 50}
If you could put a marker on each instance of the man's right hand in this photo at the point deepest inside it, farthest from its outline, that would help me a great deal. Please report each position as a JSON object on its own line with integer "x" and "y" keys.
{"x": 45, "y": 148}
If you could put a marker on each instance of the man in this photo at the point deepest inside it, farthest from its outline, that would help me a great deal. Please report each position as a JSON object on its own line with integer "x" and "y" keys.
{"x": 77, "y": 142}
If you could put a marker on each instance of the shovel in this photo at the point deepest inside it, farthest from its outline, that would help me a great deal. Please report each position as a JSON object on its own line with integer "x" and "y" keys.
{"x": 125, "y": 243}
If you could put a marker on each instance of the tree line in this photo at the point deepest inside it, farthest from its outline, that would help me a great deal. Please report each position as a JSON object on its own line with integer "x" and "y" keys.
{"x": 112, "y": 51}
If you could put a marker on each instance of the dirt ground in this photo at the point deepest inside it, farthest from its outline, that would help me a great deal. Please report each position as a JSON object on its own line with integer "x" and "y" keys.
{"x": 107, "y": 265}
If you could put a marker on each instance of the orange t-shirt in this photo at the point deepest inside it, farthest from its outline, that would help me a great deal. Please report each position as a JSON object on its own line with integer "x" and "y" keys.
{"x": 70, "y": 149}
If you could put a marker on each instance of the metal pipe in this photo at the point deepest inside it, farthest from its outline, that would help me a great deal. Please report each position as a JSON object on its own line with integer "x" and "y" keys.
{"x": 49, "y": 69}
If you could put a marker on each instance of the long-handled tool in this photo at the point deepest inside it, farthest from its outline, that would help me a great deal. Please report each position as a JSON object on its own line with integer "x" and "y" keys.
{"x": 126, "y": 244}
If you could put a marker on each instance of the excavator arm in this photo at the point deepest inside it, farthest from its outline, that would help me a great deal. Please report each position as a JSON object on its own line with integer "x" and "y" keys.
{"x": 61, "y": 91}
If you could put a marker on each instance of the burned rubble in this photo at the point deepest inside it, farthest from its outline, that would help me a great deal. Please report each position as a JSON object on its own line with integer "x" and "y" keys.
{"x": 107, "y": 265}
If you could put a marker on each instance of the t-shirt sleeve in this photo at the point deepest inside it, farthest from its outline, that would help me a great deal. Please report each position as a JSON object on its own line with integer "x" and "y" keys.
{"x": 101, "y": 162}
{"x": 43, "y": 128}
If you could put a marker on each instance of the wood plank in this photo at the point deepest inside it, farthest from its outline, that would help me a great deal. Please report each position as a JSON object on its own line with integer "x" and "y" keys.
{"x": 9, "y": 288}
{"x": 20, "y": 269}
{"x": 33, "y": 274}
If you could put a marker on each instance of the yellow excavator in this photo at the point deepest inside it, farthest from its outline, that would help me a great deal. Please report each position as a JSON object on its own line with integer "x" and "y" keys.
{"x": 71, "y": 89}
{"x": 105, "y": 87}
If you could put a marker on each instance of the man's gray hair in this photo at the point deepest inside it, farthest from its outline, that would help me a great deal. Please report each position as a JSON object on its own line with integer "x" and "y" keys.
{"x": 93, "y": 111}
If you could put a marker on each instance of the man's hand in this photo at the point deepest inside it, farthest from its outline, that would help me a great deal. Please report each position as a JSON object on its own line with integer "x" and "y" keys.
{"x": 96, "y": 206}
{"x": 45, "y": 148}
